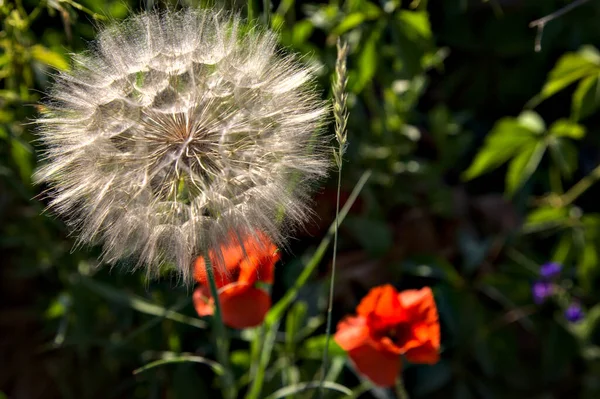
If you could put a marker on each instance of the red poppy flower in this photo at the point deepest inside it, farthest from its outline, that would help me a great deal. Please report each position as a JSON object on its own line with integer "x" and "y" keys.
{"x": 389, "y": 324}
{"x": 243, "y": 262}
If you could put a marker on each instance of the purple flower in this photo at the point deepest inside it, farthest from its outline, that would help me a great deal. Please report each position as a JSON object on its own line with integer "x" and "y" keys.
{"x": 574, "y": 313}
{"x": 541, "y": 290}
{"x": 550, "y": 270}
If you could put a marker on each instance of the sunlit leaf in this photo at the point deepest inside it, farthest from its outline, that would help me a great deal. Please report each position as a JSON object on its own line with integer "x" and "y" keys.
{"x": 506, "y": 140}
{"x": 351, "y": 21}
{"x": 570, "y": 68}
{"x": 544, "y": 217}
{"x": 566, "y": 128}
{"x": 565, "y": 156}
{"x": 586, "y": 99}
{"x": 49, "y": 57}
{"x": 523, "y": 165}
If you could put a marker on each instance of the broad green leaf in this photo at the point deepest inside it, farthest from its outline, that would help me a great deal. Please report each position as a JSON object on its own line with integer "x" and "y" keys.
{"x": 504, "y": 141}
{"x": 523, "y": 165}
{"x": 49, "y": 57}
{"x": 586, "y": 99}
{"x": 570, "y": 68}
{"x": 565, "y": 155}
{"x": 567, "y": 128}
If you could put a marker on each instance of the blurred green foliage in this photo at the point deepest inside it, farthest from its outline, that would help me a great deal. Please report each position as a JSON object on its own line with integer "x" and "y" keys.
{"x": 484, "y": 154}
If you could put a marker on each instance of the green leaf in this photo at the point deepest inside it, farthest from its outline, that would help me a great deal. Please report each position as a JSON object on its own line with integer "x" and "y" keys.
{"x": 567, "y": 128}
{"x": 506, "y": 139}
{"x": 23, "y": 158}
{"x": 296, "y": 318}
{"x": 545, "y": 215}
{"x": 301, "y": 31}
{"x": 570, "y": 68}
{"x": 523, "y": 165}
{"x": 584, "y": 329}
{"x": 367, "y": 62}
{"x": 586, "y": 99}
{"x": 351, "y": 21}
{"x": 417, "y": 21}
{"x": 49, "y": 57}
{"x": 563, "y": 248}
{"x": 565, "y": 156}
{"x": 315, "y": 346}
{"x": 137, "y": 303}
{"x": 532, "y": 121}
{"x": 588, "y": 263}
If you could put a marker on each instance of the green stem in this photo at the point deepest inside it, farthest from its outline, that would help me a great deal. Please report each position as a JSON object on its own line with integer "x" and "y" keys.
{"x": 222, "y": 339}
{"x": 332, "y": 282}
{"x": 267, "y": 12}
{"x": 580, "y": 187}
{"x": 400, "y": 389}
{"x": 252, "y": 9}
{"x": 276, "y": 312}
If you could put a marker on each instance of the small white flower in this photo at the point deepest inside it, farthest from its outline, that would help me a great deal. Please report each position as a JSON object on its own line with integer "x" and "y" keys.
{"x": 177, "y": 129}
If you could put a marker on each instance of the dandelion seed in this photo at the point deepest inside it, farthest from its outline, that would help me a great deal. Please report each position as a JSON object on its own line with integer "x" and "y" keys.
{"x": 178, "y": 128}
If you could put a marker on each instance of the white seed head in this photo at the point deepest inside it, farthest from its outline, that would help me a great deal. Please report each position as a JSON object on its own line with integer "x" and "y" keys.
{"x": 177, "y": 129}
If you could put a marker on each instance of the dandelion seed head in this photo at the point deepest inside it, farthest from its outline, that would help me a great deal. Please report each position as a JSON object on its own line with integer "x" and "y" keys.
{"x": 176, "y": 129}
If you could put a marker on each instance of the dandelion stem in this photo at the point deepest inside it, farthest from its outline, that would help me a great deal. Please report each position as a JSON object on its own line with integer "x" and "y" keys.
{"x": 400, "y": 389}
{"x": 221, "y": 338}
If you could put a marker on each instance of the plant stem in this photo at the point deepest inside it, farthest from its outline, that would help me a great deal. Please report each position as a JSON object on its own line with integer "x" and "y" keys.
{"x": 541, "y": 23}
{"x": 331, "y": 286}
{"x": 400, "y": 389}
{"x": 267, "y": 12}
{"x": 276, "y": 312}
{"x": 580, "y": 187}
{"x": 340, "y": 112}
{"x": 222, "y": 339}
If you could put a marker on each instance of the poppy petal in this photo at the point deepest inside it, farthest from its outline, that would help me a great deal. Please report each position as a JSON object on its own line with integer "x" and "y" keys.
{"x": 381, "y": 367}
{"x": 244, "y": 306}
{"x": 425, "y": 353}
{"x": 223, "y": 276}
{"x": 382, "y": 308}
{"x": 420, "y": 304}
{"x": 352, "y": 332}
{"x": 203, "y": 302}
